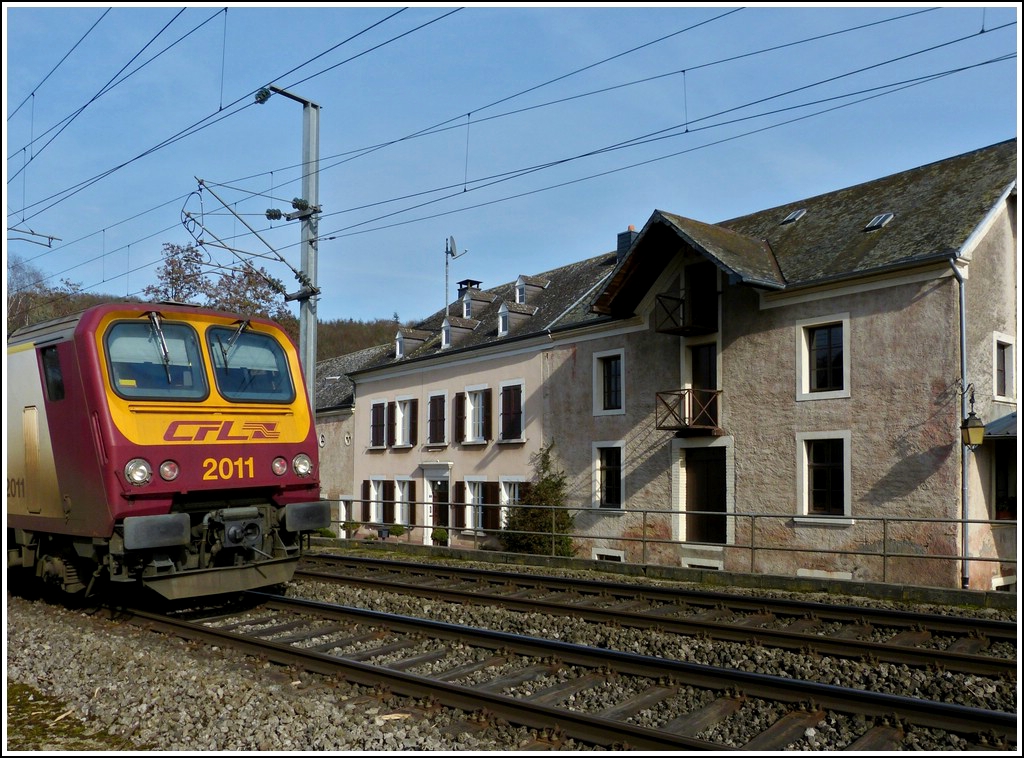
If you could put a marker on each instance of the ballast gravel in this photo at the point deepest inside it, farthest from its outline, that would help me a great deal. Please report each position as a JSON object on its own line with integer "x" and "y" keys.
{"x": 152, "y": 692}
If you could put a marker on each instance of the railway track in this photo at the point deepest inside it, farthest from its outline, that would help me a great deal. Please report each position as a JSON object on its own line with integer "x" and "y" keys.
{"x": 594, "y": 696}
{"x": 984, "y": 647}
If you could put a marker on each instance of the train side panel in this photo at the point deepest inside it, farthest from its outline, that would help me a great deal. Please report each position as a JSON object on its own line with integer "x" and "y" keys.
{"x": 32, "y": 492}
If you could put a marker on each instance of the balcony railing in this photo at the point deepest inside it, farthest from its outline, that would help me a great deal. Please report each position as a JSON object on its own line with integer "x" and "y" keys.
{"x": 685, "y": 314}
{"x": 692, "y": 411}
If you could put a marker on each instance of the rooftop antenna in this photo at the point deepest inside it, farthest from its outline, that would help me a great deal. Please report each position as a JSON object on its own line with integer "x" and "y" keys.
{"x": 450, "y": 251}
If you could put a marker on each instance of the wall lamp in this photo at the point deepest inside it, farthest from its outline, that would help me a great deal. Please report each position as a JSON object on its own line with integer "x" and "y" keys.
{"x": 972, "y": 430}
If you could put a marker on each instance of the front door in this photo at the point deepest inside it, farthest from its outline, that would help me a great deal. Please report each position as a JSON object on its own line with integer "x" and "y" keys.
{"x": 705, "y": 492}
{"x": 440, "y": 499}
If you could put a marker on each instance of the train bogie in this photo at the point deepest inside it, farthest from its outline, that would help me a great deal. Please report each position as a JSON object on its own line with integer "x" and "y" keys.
{"x": 160, "y": 445}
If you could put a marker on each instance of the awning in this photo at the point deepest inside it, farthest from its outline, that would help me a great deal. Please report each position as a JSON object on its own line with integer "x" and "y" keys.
{"x": 1003, "y": 428}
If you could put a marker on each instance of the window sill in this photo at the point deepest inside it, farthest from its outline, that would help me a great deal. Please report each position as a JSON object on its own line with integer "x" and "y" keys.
{"x": 474, "y": 443}
{"x": 435, "y": 445}
{"x": 376, "y": 448}
{"x": 824, "y": 520}
{"x": 613, "y": 509}
{"x": 518, "y": 441}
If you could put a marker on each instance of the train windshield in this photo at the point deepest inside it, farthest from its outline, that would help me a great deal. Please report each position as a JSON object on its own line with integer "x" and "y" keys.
{"x": 155, "y": 360}
{"x": 249, "y": 366}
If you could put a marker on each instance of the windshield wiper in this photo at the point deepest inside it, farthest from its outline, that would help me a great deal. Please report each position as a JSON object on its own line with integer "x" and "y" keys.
{"x": 154, "y": 318}
{"x": 242, "y": 326}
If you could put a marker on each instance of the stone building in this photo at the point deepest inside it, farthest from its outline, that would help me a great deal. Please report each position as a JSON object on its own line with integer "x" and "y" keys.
{"x": 779, "y": 393}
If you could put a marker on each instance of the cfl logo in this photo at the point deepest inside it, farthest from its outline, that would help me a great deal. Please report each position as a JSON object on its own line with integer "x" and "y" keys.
{"x": 220, "y": 431}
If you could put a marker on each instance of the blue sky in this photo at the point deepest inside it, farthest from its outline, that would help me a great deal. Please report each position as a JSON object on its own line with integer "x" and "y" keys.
{"x": 531, "y": 134}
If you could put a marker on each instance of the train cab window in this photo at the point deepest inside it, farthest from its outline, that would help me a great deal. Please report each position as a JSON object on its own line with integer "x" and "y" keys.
{"x": 249, "y": 366}
{"x": 52, "y": 373}
{"x": 146, "y": 362}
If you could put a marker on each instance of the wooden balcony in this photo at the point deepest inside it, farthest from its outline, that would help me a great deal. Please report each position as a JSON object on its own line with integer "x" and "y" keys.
{"x": 686, "y": 314}
{"x": 689, "y": 412}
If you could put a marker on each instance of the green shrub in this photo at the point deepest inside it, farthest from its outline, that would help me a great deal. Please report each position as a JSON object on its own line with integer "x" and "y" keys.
{"x": 439, "y": 535}
{"x": 325, "y": 532}
{"x": 541, "y": 531}
{"x": 396, "y": 530}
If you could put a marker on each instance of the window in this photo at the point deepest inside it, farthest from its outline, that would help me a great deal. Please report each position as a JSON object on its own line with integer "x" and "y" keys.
{"x": 249, "y": 366}
{"x": 405, "y": 499}
{"x": 510, "y": 490}
{"x": 521, "y": 293}
{"x": 473, "y": 415}
{"x": 52, "y": 373}
{"x": 474, "y": 504}
{"x": 372, "y": 501}
{"x": 1004, "y": 381}
{"x": 503, "y": 320}
{"x": 436, "y": 420}
{"x": 823, "y": 358}
{"x": 378, "y": 417}
{"x": 608, "y": 383}
{"x": 608, "y": 491}
{"x": 823, "y": 468}
{"x": 512, "y": 412}
{"x": 399, "y": 346}
{"x": 158, "y": 360}
{"x": 467, "y": 307}
{"x": 403, "y": 422}
{"x": 446, "y": 335}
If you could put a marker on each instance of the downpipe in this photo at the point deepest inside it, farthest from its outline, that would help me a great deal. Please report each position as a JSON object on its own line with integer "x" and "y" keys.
{"x": 965, "y": 451}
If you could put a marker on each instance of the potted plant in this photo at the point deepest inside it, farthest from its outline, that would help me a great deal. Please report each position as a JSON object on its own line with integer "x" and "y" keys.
{"x": 350, "y": 527}
{"x": 397, "y": 530}
{"x": 439, "y": 536}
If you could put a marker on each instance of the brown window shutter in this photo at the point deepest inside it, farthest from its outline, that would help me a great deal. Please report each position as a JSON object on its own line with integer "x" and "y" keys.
{"x": 366, "y": 500}
{"x": 459, "y": 418}
{"x": 391, "y": 424}
{"x": 414, "y": 412}
{"x": 488, "y": 435}
{"x": 389, "y": 502}
{"x": 459, "y": 505}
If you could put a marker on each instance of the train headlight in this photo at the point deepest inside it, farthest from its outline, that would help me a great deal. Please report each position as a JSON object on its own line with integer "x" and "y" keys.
{"x": 302, "y": 465}
{"x": 169, "y": 471}
{"x": 138, "y": 472}
{"x": 279, "y": 466}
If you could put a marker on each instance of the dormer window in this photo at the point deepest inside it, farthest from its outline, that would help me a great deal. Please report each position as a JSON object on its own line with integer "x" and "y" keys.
{"x": 446, "y": 335}
{"x": 467, "y": 306}
{"x": 503, "y": 320}
{"x": 399, "y": 346}
{"x": 879, "y": 221}
{"x": 521, "y": 293}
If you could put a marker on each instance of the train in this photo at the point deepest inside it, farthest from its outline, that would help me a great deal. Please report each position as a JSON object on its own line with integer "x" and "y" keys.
{"x": 161, "y": 447}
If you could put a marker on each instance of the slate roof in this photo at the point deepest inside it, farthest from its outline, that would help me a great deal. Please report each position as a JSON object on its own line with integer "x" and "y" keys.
{"x": 935, "y": 209}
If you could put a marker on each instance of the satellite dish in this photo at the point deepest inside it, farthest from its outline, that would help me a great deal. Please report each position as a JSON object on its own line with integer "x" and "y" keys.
{"x": 451, "y": 247}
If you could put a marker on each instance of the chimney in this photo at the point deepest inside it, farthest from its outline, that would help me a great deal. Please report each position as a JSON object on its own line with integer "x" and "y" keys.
{"x": 625, "y": 241}
{"x": 466, "y": 284}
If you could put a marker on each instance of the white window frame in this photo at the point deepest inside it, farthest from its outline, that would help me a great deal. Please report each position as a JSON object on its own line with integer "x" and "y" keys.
{"x": 403, "y": 420}
{"x": 521, "y": 292}
{"x": 501, "y": 410}
{"x": 595, "y": 469}
{"x": 467, "y": 306}
{"x": 404, "y": 507}
{"x": 384, "y": 430}
{"x": 474, "y": 406}
{"x": 612, "y": 556}
{"x": 446, "y": 335}
{"x": 399, "y": 346}
{"x": 474, "y": 515}
{"x": 503, "y": 320}
{"x": 376, "y": 500}
{"x": 998, "y": 338}
{"x": 803, "y": 359}
{"x": 507, "y": 485}
{"x": 598, "y": 382}
{"x": 804, "y": 514}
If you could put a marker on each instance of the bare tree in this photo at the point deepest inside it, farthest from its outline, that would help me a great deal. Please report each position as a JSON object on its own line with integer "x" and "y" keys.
{"x": 180, "y": 278}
